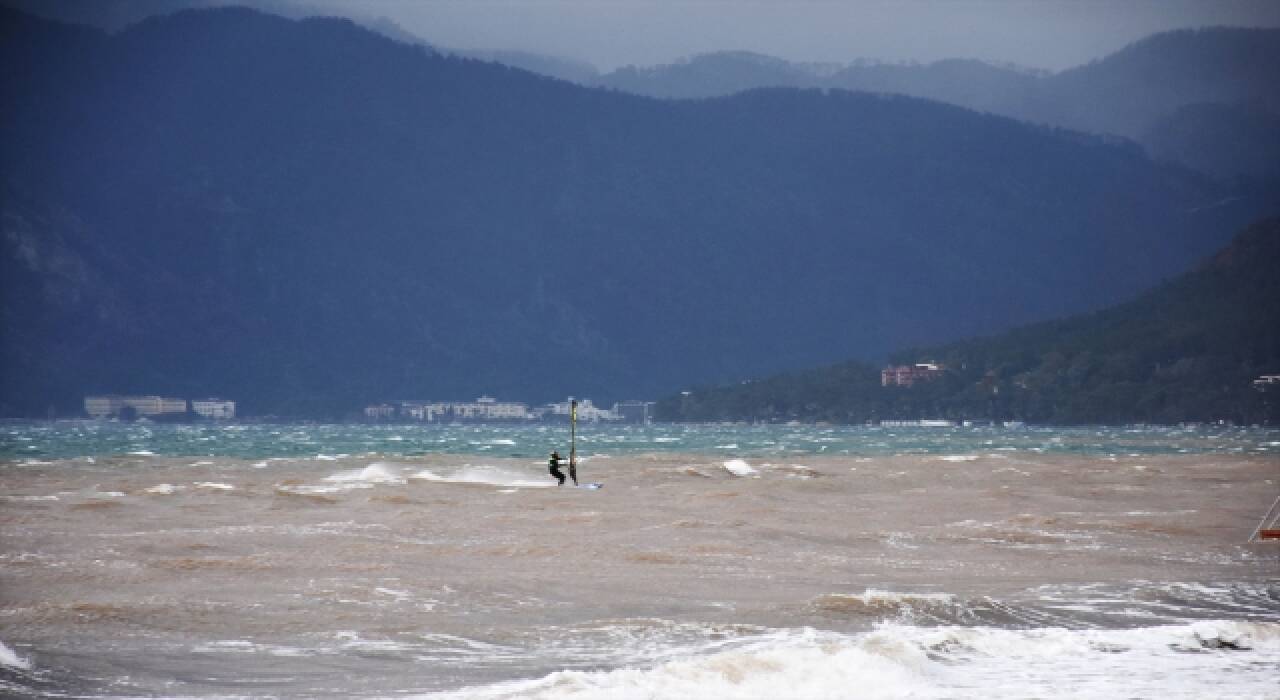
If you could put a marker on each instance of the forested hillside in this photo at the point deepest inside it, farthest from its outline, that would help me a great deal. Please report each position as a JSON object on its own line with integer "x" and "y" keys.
{"x": 1188, "y": 350}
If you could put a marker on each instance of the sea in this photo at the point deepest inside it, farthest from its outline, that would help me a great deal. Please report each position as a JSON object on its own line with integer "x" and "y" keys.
{"x": 714, "y": 561}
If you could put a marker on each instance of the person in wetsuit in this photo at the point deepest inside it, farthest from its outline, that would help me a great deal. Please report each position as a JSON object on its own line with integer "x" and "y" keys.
{"x": 555, "y": 467}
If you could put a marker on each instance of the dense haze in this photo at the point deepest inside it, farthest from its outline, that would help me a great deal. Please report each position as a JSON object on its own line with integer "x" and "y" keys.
{"x": 1048, "y": 34}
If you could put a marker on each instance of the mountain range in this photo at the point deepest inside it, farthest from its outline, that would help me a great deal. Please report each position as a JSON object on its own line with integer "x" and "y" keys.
{"x": 307, "y": 215}
{"x": 1206, "y": 98}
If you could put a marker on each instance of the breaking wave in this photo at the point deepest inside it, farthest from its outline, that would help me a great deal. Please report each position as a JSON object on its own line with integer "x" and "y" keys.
{"x": 375, "y": 473}
{"x": 10, "y": 658}
{"x": 491, "y": 476}
{"x": 886, "y": 603}
{"x": 894, "y": 660}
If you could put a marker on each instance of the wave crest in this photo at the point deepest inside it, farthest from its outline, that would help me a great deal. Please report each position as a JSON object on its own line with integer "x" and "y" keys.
{"x": 484, "y": 475}
{"x": 884, "y": 603}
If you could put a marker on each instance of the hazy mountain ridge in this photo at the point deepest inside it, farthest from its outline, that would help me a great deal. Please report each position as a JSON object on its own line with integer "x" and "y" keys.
{"x": 1187, "y": 350}
{"x": 1224, "y": 140}
{"x": 1129, "y": 93}
{"x": 115, "y": 15}
{"x": 306, "y": 216}
{"x": 1140, "y": 92}
{"x": 1124, "y": 92}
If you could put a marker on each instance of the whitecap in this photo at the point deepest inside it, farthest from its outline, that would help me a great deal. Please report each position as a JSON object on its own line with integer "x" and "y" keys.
{"x": 163, "y": 489}
{"x": 214, "y": 486}
{"x": 739, "y": 467}
{"x": 876, "y": 596}
{"x": 375, "y": 473}
{"x": 10, "y": 658}
{"x": 898, "y": 660}
{"x": 226, "y": 645}
{"x": 807, "y": 664}
{"x": 492, "y": 476}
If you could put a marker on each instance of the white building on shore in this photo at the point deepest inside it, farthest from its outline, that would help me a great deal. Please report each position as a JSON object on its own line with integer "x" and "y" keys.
{"x": 113, "y": 405}
{"x": 214, "y": 409}
{"x": 634, "y": 411}
{"x": 487, "y": 409}
{"x": 587, "y": 411}
{"x": 381, "y": 411}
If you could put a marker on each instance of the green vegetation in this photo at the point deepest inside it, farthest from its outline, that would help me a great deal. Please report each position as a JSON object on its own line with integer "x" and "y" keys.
{"x": 1186, "y": 351}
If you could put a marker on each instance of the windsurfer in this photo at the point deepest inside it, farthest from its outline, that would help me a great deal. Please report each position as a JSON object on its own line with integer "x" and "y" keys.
{"x": 554, "y": 462}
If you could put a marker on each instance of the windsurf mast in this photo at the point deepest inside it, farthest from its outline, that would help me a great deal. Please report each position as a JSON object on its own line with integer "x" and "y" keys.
{"x": 1269, "y": 527}
{"x": 573, "y": 440}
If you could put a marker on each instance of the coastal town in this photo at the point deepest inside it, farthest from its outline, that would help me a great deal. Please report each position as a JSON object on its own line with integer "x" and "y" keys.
{"x": 487, "y": 409}
{"x": 154, "y": 407}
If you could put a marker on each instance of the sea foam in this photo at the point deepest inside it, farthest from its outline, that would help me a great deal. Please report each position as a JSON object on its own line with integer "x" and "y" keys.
{"x": 214, "y": 486}
{"x": 162, "y": 489}
{"x": 10, "y": 658}
{"x": 375, "y": 473}
{"x": 807, "y": 664}
{"x": 492, "y": 476}
{"x": 1208, "y": 659}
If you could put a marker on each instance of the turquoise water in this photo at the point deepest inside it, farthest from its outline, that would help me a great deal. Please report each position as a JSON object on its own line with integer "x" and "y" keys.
{"x": 70, "y": 439}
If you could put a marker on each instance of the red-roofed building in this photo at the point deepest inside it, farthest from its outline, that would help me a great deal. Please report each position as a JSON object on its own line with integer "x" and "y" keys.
{"x": 906, "y": 375}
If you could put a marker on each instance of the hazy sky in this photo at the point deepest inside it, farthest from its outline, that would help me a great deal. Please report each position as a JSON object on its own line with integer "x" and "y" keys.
{"x": 1051, "y": 34}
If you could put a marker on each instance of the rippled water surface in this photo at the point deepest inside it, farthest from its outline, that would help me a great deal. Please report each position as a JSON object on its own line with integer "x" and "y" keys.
{"x": 91, "y": 438}
{"x": 716, "y": 561}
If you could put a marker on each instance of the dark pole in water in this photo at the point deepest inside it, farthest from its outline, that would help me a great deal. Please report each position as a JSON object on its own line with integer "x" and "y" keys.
{"x": 573, "y": 440}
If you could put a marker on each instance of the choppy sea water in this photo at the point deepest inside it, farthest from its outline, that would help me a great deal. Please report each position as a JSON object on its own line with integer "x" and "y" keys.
{"x": 716, "y": 561}
{"x": 67, "y": 439}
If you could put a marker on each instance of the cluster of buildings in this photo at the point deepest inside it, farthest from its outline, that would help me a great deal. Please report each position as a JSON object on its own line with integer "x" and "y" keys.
{"x": 116, "y": 406}
{"x": 487, "y": 409}
{"x": 1267, "y": 382}
{"x": 906, "y": 375}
